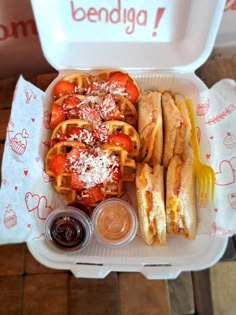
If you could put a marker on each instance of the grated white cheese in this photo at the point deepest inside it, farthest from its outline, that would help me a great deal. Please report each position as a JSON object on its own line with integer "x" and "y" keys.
{"x": 85, "y": 136}
{"x": 107, "y": 107}
{"x": 94, "y": 167}
{"x": 89, "y": 114}
{"x": 102, "y": 132}
{"x": 90, "y": 99}
{"x": 107, "y": 88}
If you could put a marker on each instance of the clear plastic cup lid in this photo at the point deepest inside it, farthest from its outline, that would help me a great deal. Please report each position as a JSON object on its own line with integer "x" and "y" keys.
{"x": 68, "y": 229}
{"x": 115, "y": 223}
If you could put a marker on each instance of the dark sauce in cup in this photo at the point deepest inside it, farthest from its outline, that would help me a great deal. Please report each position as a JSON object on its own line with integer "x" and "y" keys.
{"x": 67, "y": 232}
{"x": 68, "y": 229}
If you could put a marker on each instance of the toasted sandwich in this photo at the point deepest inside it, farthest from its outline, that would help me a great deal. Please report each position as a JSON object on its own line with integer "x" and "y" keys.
{"x": 150, "y": 201}
{"x": 181, "y": 213}
{"x": 150, "y": 127}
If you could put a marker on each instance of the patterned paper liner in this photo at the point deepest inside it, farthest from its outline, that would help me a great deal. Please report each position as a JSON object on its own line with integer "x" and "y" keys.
{"x": 27, "y": 196}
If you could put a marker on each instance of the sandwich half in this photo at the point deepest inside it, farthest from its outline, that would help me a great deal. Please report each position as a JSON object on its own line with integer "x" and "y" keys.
{"x": 181, "y": 211}
{"x": 183, "y": 133}
{"x": 150, "y": 127}
{"x": 177, "y": 126}
{"x": 150, "y": 201}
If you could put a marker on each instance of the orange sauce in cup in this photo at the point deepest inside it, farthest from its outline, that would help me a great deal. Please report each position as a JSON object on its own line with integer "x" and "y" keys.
{"x": 114, "y": 222}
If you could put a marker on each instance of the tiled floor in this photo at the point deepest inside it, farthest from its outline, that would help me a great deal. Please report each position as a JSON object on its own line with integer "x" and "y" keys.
{"x": 223, "y": 288}
{"x": 27, "y": 287}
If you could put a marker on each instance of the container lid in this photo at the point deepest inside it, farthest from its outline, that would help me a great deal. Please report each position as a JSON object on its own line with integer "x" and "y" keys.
{"x": 226, "y": 37}
{"x": 128, "y": 34}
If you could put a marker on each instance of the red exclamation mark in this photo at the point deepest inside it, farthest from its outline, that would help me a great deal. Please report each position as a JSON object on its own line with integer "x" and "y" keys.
{"x": 159, "y": 15}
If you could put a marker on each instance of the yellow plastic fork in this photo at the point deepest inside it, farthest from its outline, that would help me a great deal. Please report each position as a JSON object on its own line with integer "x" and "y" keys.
{"x": 204, "y": 173}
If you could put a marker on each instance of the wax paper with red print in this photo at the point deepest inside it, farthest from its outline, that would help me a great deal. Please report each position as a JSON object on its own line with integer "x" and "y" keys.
{"x": 27, "y": 196}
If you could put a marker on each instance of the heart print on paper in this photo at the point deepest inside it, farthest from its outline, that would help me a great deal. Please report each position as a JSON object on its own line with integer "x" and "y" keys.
{"x": 226, "y": 174}
{"x": 35, "y": 202}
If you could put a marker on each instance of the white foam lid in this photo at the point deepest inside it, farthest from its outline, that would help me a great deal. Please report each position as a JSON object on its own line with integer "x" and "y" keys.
{"x": 100, "y": 34}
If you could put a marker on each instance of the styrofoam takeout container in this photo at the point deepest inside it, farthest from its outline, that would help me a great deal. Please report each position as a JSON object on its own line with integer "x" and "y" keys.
{"x": 162, "y": 54}
{"x": 225, "y": 43}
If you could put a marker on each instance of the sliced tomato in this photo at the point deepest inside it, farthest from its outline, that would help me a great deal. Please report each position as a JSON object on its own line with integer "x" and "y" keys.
{"x": 122, "y": 140}
{"x": 54, "y": 141}
{"x": 72, "y": 113}
{"x": 100, "y": 134}
{"x": 91, "y": 196}
{"x": 57, "y": 115}
{"x": 89, "y": 114}
{"x": 76, "y": 182}
{"x": 83, "y": 135}
{"x": 70, "y": 102}
{"x": 63, "y": 88}
{"x": 57, "y": 164}
{"x": 118, "y": 77}
{"x": 59, "y": 137}
{"x": 132, "y": 91}
{"x": 109, "y": 108}
{"x": 94, "y": 88}
{"x": 117, "y": 115}
{"x": 75, "y": 131}
{"x": 75, "y": 152}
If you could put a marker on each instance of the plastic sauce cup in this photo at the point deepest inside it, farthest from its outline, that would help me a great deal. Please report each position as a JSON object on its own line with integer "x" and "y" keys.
{"x": 115, "y": 223}
{"x": 68, "y": 229}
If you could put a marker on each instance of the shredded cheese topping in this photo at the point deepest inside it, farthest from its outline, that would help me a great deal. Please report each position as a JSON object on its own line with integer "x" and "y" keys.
{"x": 85, "y": 136}
{"x": 94, "y": 166}
{"x": 95, "y": 108}
{"x": 108, "y": 106}
{"x": 106, "y": 87}
{"x": 97, "y": 136}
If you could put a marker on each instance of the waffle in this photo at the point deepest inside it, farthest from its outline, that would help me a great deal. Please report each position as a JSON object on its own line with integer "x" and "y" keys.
{"x": 127, "y": 110}
{"x": 66, "y": 126}
{"x": 127, "y": 165}
{"x": 112, "y": 127}
{"x": 99, "y": 84}
{"x": 60, "y": 100}
{"x": 105, "y": 75}
{"x": 117, "y": 126}
{"x": 81, "y": 81}
{"x": 62, "y": 183}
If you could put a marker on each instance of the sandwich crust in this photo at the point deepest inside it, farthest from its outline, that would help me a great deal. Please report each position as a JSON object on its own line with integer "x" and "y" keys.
{"x": 180, "y": 198}
{"x": 150, "y": 201}
{"x": 183, "y": 132}
{"x": 150, "y": 127}
{"x": 172, "y": 121}
{"x": 165, "y": 132}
